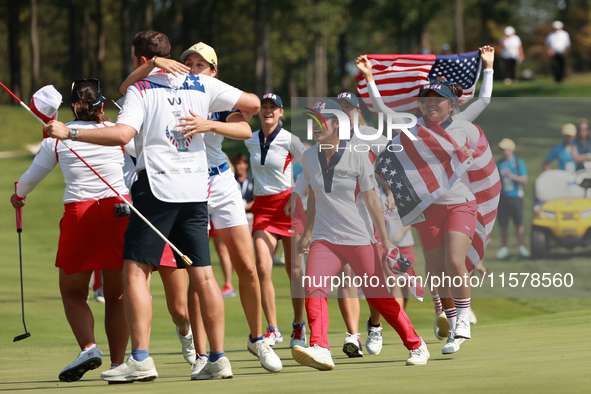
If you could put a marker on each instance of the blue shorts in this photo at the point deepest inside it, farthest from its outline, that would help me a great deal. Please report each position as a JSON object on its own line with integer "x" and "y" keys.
{"x": 184, "y": 224}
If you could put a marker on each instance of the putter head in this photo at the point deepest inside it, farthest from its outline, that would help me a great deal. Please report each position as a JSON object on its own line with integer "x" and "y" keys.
{"x": 21, "y": 337}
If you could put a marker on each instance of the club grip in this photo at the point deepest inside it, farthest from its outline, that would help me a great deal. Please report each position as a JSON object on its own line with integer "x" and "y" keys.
{"x": 19, "y": 214}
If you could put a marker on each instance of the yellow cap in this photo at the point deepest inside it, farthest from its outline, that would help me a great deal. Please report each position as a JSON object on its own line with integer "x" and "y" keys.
{"x": 569, "y": 129}
{"x": 506, "y": 143}
{"x": 204, "y": 50}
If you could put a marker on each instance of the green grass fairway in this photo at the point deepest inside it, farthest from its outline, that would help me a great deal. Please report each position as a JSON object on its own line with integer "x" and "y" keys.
{"x": 521, "y": 345}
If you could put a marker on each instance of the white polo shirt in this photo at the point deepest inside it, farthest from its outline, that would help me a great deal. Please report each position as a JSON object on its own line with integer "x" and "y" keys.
{"x": 177, "y": 167}
{"x": 81, "y": 183}
{"x": 338, "y": 219}
{"x": 213, "y": 141}
{"x": 558, "y": 41}
{"x": 271, "y": 159}
{"x": 511, "y": 47}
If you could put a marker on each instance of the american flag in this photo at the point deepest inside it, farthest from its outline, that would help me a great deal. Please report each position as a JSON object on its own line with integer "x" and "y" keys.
{"x": 427, "y": 168}
{"x": 399, "y": 77}
{"x": 407, "y": 272}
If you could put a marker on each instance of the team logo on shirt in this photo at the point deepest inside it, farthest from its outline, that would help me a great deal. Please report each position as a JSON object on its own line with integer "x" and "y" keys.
{"x": 178, "y": 139}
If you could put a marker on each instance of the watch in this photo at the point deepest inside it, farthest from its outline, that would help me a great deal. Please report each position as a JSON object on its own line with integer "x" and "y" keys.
{"x": 73, "y": 134}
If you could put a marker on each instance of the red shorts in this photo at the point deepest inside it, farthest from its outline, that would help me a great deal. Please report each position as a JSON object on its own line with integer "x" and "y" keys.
{"x": 269, "y": 215}
{"x": 91, "y": 236}
{"x": 440, "y": 219}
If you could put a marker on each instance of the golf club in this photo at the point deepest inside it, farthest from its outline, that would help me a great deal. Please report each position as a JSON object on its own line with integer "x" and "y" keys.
{"x": 19, "y": 230}
{"x": 185, "y": 258}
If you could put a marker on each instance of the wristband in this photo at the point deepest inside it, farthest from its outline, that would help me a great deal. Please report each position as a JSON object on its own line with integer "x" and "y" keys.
{"x": 19, "y": 198}
{"x": 154, "y": 61}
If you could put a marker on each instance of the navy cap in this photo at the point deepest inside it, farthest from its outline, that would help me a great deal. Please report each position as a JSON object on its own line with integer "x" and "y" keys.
{"x": 350, "y": 98}
{"x": 443, "y": 88}
{"x": 327, "y": 104}
{"x": 274, "y": 98}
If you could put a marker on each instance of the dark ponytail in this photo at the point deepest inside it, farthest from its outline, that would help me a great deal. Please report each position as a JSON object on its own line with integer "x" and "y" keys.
{"x": 457, "y": 89}
{"x": 83, "y": 96}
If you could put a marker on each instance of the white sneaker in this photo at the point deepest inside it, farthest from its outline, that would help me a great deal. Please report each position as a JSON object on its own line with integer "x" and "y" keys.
{"x": 441, "y": 326}
{"x": 471, "y": 316}
{"x": 419, "y": 356}
{"x": 352, "y": 346}
{"x": 86, "y": 361}
{"x": 132, "y": 371}
{"x": 374, "y": 338}
{"x": 199, "y": 364}
{"x": 221, "y": 369}
{"x": 187, "y": 346}
{"x": 269, "y": 360}
{"x": 99, "y": 296}
{"x": 315, "y": 357}
{"x": 298, "y": 336}
{"x": 453, "y": 344}
{"x": 463, "y": 327}
{"x": 272, "y": 336}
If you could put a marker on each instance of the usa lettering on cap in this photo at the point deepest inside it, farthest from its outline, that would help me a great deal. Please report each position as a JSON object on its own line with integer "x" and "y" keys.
{"x": 270, "y": 96}
{"x": 319, "y": 105}
{"x": 344, "y": 95}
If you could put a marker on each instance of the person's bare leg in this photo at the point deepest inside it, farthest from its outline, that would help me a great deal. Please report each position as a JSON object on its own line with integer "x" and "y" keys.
{"x": 138, "y": 304}
{"x": 520, "y": 235}
{"x": 349, "y": 302}
{"x": 264, "y": 245}
{"x": 174, "y": 281}
{"x": 504, "y": 236}
{"x": 74, "y": 291}
{"x": 212, "y": 305}
{"x": 225, "y": 259}
{"x": 293, "y": 266}
{"x": 115, "y": 319}
{"x": 239, "y": 246}
{"x": 199, "y": 333}
{"x": 456, "y": 249}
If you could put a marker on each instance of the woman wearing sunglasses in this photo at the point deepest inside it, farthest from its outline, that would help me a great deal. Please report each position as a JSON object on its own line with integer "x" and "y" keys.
{"x": 91, "y": 230}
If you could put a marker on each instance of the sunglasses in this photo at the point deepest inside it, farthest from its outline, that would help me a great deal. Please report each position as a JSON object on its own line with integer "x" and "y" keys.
{"x": 94, "y": 81}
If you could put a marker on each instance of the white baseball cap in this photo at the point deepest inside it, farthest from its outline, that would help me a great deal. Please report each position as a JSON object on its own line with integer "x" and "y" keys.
{"x": 557, "y": 25}
{"x": 509, "y": 31}
{"x": 45, "y": 102}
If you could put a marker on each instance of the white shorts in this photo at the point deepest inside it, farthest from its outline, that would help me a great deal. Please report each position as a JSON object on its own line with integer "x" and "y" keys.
{"x": 225, "y": 205}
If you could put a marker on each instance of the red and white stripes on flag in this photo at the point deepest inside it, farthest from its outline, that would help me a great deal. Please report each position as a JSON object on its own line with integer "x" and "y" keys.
{"x": 399, "y": 77}
{"x": 428, "y": 167}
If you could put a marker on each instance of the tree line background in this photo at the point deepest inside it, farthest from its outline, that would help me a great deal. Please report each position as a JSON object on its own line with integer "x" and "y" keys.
{"x": 292, "y": 47}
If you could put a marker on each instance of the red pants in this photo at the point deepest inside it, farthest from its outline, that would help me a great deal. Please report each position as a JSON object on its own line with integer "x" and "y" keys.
{"x": 326, "y": 260}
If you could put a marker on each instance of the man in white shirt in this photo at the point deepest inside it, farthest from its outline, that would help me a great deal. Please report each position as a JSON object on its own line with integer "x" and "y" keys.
{"x": 511, "y": 54}
{"x": 171, "y": 191}
{"x": 557, "y": 46}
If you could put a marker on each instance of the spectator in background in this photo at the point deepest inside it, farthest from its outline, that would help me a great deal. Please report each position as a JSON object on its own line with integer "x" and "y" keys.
{"x": 513, "y": 176}
{"x": 563, "y": 152}
{"x": 446, "y": 49}
{"x": 244, "y": 182}
{"x": 583, "y": 144}
{"x": 557, "y": 46}
{"x": 512, "y": 53}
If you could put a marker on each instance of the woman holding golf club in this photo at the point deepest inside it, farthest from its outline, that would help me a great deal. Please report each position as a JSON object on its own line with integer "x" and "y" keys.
{"x": 91, "y": 230}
